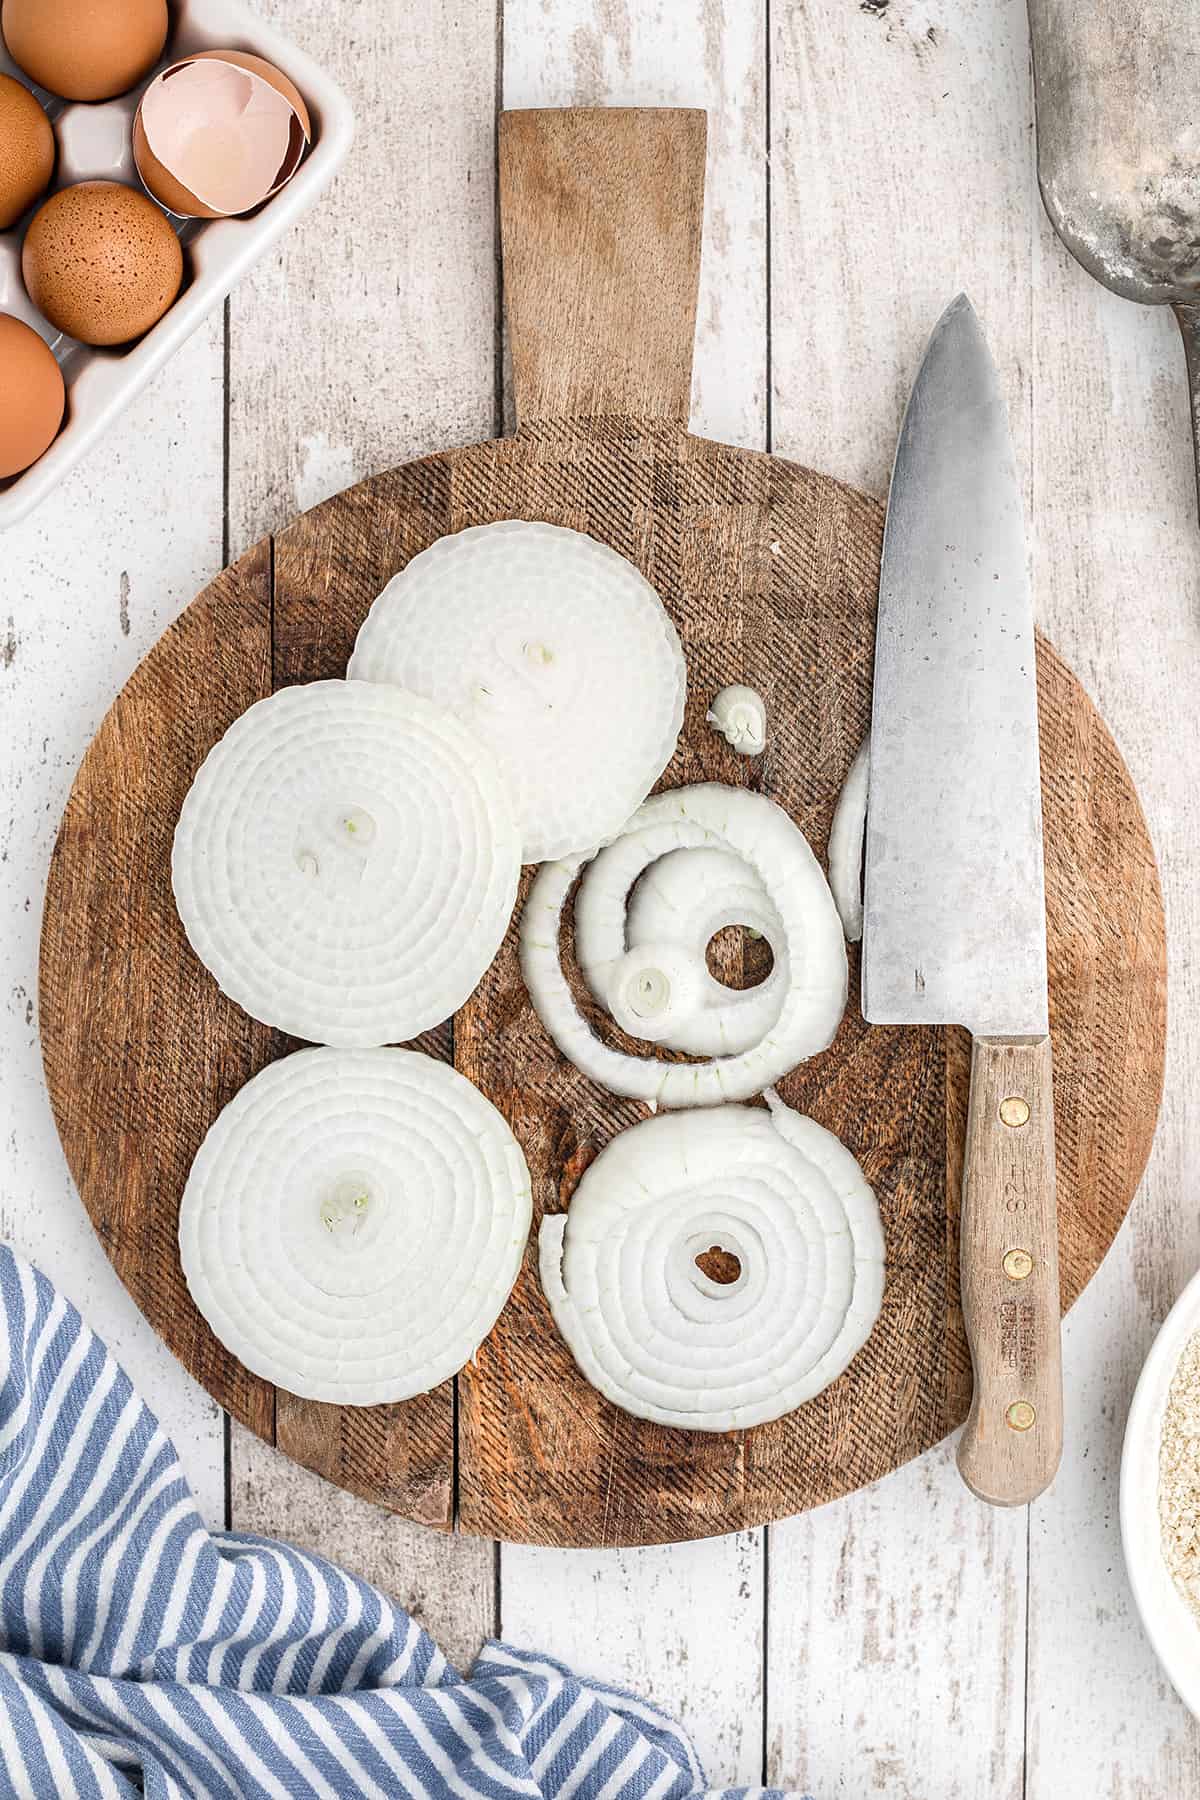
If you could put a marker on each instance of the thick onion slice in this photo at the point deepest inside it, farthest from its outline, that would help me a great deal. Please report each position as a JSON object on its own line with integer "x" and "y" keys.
{"x": 846, "y": 844}
{"x": 353, "y": 1224}
{"x": 655, "y": 1333}
{"x": 556, "y": 653}
{"x": 346, "y": 863}
{"x": 752, "y": 829}
{"x": 681, "y": 901}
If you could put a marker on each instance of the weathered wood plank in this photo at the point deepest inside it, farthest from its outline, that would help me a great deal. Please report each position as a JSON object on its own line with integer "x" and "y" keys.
{"x": 681, "y": 1624}
{"x": 678, "y": 53}
{"x": 684, "y": 1623}
{"x": 901, "y": 171}
{"x": 86, "y": 585}
{"x": 368, "y": 338}
{"x": 141, "y": 1048}
{"x": 896, "y": 1640}
{"x": 1115, "y": 559}
{"x": 447, "y": 1582}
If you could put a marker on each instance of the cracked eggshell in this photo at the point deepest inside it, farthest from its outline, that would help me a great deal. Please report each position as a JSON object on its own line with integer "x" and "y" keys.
{"x": 218, "y": 133}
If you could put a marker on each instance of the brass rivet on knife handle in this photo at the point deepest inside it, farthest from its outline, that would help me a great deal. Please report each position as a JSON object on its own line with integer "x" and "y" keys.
{"x": 1012, "y": 1441}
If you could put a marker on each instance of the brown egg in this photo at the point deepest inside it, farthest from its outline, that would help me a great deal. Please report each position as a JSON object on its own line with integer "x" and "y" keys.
{"x": 26, "y": 150}
{"x": 203, "y": 163}
{"x": 32, "y": 385}
{"x": 101, "y": 262}
{"x": 85, "y": 49}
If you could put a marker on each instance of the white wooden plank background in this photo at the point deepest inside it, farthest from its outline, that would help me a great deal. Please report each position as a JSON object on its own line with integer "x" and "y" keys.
{"x": 867, "y": 160}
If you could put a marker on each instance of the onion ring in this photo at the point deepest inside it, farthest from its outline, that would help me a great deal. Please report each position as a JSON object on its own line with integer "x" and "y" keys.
{"x": 846, "y": 838}
{"x": 759, "y": 833}
{"x": 681, "y": 901}
{"x": 655, "y": 1333}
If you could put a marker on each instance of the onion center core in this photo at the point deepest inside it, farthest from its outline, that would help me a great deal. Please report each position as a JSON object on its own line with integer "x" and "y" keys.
{"x": 357, "y": 825}
{"x": 648, "y": 994}
{"x": 346, "y": 1205}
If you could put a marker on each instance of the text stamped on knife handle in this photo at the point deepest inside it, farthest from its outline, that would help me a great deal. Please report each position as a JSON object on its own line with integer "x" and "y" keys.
{"x": 1012, "y": 1441}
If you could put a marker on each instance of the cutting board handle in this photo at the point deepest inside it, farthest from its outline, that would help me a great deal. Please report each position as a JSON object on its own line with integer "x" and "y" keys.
{"x": 601, "y": 218}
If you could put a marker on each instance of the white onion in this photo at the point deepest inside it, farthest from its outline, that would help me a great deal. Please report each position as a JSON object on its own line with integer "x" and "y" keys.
{"x": 652, "y": 1331}
{"x": 556, "y": 653}
{"x": 754, "y": 830}
{"x": 653, "y": 991}
{"x": 346, "y": 863}
{"x": 681, "y": 901}
{"x": 740, "y": 715}
{"x": 846, "y": 844}
{"x": 353, "y": 1224}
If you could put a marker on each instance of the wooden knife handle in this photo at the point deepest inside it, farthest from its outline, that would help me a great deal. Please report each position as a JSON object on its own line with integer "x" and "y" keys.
{"x": 1012, "y": 1441}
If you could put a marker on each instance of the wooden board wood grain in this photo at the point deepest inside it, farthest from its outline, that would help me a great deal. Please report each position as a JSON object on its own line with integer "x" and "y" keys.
{"x": 770, "y": 572}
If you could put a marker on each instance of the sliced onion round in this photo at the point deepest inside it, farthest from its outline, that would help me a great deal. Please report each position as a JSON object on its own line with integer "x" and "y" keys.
{"x": 353, "y": 1224}
{"x": 846, "y": 837}
{"x": 556, "y": 653}
{"x": 756, "y": 832}
{"x": 346, "y": 863}
{"x": 655, "y": 1333}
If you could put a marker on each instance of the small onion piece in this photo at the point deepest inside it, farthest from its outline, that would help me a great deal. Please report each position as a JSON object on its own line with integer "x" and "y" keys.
{"x": 846, "y": 838}
{"x": 681, "y": 900}
{"x": 754, "y": 830}
{"x": 346, "y": 863}
{"x": 652, "y": 1330}
{"x": 556, "y": 653}
{"x": 653, "y": 990}
{"x": 740, "y": 715}
{"x": 353, "y": 1224}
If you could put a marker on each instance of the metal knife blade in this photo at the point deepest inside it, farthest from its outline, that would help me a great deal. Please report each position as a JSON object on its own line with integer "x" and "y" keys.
{"x": 954, "y": 905}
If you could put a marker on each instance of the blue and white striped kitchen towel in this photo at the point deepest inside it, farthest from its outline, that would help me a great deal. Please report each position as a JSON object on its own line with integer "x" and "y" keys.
{"x": 140, "y": 1654}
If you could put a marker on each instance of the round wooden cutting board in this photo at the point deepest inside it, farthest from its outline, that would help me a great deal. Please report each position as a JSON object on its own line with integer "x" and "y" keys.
{"x": 770, "y": 573}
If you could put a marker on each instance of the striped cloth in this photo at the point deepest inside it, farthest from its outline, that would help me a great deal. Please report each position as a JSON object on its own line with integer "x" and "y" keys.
{"x": 140, "y": 1654}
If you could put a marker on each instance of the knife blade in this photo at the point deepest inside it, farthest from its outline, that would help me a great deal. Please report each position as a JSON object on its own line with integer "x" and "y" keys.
{"x": 954, "y": 899}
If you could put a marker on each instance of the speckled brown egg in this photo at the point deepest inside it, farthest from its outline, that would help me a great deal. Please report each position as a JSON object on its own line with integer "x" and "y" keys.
{"x": 26, "y": 150}
{"x": 101, "y": 262}
{"x": 85, "y": 49}
{"x": 32, "y": 386}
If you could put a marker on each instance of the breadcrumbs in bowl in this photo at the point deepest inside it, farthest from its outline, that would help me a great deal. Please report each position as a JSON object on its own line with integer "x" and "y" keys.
{"x": 1160, "y": 1496}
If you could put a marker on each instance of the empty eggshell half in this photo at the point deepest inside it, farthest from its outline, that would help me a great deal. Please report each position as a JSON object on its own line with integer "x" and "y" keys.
{"x": 219, "y": 133}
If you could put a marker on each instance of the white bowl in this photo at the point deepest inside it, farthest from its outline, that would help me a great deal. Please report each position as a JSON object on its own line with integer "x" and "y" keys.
{"x": 1171, "y": 1626}
{"x": 94, "y": 144}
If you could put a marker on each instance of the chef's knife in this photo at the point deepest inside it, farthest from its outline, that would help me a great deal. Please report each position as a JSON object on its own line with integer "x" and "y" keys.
{"x": 955, "y": 922}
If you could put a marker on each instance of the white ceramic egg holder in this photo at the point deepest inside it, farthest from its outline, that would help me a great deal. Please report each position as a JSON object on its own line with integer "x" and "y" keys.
{"x": 94, "y": 144}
